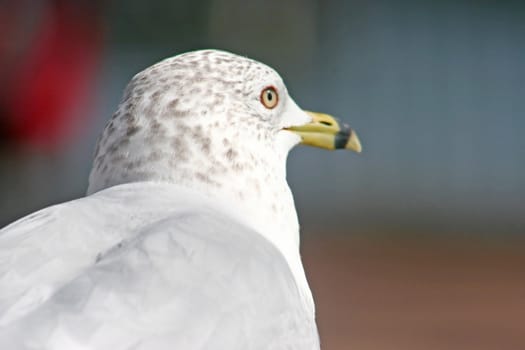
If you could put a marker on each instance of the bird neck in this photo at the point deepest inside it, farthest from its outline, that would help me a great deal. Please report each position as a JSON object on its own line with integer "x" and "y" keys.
{"x": 261, "y": 195}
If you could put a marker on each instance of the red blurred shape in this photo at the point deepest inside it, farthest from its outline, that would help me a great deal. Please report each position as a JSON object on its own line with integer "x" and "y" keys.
{"x": 48, "y": 91}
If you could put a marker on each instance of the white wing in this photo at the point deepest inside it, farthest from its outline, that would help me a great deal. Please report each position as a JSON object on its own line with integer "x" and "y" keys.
{"x": 145, "y": 267}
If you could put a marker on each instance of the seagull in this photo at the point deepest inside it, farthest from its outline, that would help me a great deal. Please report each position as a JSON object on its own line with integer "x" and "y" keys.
{"x": 188, "y": 236}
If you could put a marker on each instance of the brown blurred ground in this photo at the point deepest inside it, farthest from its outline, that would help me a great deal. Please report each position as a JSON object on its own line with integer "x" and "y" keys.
{"x": 417, "y": 293}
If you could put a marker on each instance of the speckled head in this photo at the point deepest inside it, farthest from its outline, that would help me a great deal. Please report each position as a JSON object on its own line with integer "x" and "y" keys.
{"x": 200, "y": 118}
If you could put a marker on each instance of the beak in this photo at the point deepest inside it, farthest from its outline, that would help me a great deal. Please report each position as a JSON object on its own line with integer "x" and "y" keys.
{"x": 325, "y": 131}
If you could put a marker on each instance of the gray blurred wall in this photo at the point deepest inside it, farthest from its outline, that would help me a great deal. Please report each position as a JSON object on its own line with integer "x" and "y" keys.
{"x": 434, "y": 89}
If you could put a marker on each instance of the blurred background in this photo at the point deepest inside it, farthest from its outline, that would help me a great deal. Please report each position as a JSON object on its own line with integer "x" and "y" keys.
{"x": 417, "y": 243}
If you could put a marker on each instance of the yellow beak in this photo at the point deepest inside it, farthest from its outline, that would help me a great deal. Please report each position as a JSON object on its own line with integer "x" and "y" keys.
{"x": 326, "y": 132}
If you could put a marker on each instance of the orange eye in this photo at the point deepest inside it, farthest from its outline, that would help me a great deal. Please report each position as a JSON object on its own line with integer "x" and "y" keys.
{"x": 269, "y": 97}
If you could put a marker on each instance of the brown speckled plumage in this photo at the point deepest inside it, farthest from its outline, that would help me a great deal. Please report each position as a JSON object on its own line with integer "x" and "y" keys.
{"x": 181, "y": 98}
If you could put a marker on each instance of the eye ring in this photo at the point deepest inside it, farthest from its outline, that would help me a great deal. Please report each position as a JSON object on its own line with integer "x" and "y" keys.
{"x": 269, "y": 97}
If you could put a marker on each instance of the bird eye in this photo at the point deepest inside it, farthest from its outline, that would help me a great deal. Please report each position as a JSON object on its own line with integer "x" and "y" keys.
{"x": 269, "y": 97}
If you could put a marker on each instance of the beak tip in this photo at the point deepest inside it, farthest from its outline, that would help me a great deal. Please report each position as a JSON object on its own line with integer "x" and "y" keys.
{"x": 354, "y": 144}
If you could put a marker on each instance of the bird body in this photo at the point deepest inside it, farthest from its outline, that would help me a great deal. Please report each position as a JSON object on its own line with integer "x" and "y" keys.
{"x": 147, "y": 266}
